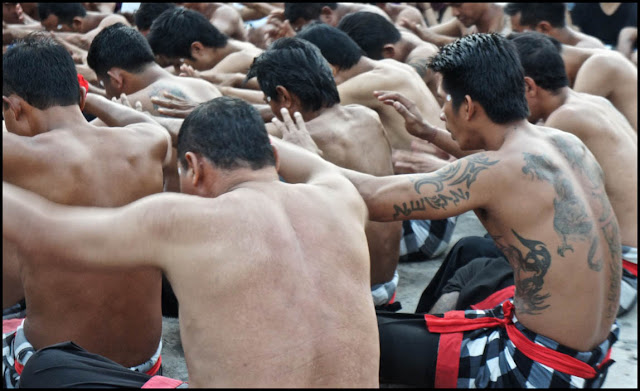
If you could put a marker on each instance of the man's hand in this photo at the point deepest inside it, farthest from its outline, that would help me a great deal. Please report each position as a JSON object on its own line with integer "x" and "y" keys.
{"x": 296, "y": 133}
{"x": 414, "y": 123}
{"x": 279, "y": 27}
{"x": 187, "y": 70}
{"x": 413, "y": 162}
{"x": 173, "y": 106}
{"x": 124, "y": 100}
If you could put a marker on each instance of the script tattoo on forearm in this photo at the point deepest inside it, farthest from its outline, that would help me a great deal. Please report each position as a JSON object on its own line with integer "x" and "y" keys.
{"x": 529, "y": 271}
{"x": 461, "y": 174}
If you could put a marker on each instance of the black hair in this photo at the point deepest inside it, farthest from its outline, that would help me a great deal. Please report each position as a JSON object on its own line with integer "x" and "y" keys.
{"x": 336, "y": 46}
{"x": 119, "y": 46}
{"x": 298, "y": 66}
{"x": 64, "y": 11}
{"x": 370, "y": 31}
{"x": 229, "y": 132}
{"x": 148, "y": 12}
{"x": 306, "y": 11}
{"x": 533, "y": 13}
{"x": 173, "y": 32}
{"x": 487, "y": 68}
{"x": 540, "y": 57}
{"x": 40, "y": 71}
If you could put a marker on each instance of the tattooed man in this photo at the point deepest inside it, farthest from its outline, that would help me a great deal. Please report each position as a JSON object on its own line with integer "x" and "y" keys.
{"x": 551, "y": 219}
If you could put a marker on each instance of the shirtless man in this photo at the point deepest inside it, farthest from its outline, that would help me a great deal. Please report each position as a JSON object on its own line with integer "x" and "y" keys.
{"x": 225, "y": 17}
{"x": 540, "y": 193}
{"x": 298, "y": 15}
{"x": 596, "y": 122}
{"x": 358, "y": 76}
{"x": 52, "y": 150}
{"x": 182, "y": 36}
{"x": 124, "y": 63}
{"x": 549, "y": 19}
{"x": 301, "y": 277}
{"x": 468, "y": 18}
{"x": 398, "y": 11}
{"x": 605, "y": 73}
{"x": 380, "y": 39}
{"x": 147, "y": 13}
{"x": 72, "y": 22}
{"x": 294, "y": 75}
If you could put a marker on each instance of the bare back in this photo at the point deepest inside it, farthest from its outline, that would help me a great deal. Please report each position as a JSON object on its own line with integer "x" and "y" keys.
{"x": 394, "y": 76}
{"x": 274, "y": 293}
{"x": 353, "y": 137}
{"x": 115, "y": 314}
{"x": 551, "y": 218}
{"x": 614, "y": 144}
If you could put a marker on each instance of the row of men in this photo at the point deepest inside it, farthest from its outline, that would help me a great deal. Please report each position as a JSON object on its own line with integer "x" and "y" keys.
{"x": 288, "y": 77}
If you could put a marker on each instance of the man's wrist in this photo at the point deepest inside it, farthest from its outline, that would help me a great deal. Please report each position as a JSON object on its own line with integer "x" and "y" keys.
{"x": 429, "y": 133}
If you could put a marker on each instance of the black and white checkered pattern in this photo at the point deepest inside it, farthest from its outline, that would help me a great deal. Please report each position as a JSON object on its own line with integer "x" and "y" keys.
{"x": 488, "y": 358}
{"x": 425, "y": 239}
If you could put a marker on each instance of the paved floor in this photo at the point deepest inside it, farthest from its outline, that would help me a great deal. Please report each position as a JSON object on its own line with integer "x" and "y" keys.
{"x": 414, "y": 277}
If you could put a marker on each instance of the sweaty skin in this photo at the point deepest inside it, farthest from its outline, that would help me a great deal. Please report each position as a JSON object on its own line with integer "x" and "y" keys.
{"x": 67, "y": 160}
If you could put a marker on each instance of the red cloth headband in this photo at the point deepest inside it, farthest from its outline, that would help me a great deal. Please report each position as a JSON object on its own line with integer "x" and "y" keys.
{"x": 83, "y": 83}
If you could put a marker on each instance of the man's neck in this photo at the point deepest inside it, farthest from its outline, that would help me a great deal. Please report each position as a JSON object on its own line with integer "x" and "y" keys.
{"x": 565, "y": 35}
{"x": 403, "y": 48}
{"x": 151, "y": 74}
{"x": 242, "y": 178}
{"x": 552, "y": 101}
{"x": 494, "y": 135}
{"x": 363, "y": 65}
{"x": 57, "y": 117}
{"x": 492, "y": 20}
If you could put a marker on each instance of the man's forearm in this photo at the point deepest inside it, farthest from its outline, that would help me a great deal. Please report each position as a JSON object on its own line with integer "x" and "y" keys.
{"x": 298, "y": 165}
{"x": 114, "y": 114}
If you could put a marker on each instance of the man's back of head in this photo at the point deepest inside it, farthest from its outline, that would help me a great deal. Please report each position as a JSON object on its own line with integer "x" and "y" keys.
{"x": 173, "y": 32}
{"x": 298, "y": 66}
{"x": 148, "y": 12}
{"x": 229, "y": 132}
{"x": 40, "y": 71}
{"x": 370, "y": 31}
{"x": 540, "y": 58}
{"x": 308, "y": 12}
{"x": 119, "y": 46}
{"x": 487, "y": 68}
{"x": 335, "y": 45}
{"x": 60, "y": 16}
{"x": 531, "y": 14}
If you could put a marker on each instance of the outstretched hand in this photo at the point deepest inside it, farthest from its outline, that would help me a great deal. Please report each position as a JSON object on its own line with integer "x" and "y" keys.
{"x": 414, "y": 123}
{"x": 296, "y": 133}
{"x": 412, "y": 162}
{"x": 124, "y": 100}
{"x": 187, "y": 70}
{"x": 173, "y": 106}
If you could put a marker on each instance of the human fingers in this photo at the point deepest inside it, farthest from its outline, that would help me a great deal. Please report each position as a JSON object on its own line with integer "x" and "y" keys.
{"x": 138, "y": 106}
{"x": 176, "y": 113}
{"x": 299, "y": 122}
{"x": 403, "y": 168}
{"x": 286, "y": 118}
{"x": 170, "y": 96}
{"x": 280, "y": 126}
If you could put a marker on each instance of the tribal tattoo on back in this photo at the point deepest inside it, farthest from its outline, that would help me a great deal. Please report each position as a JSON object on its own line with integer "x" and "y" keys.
{"x": 459, "y": 175}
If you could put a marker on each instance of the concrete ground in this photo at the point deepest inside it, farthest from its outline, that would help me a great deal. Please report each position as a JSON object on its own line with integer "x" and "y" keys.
{"x": 414, "y": 277}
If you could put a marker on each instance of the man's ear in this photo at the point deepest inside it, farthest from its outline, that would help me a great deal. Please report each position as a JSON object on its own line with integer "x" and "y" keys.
{"x": 543, "y": 27}
{"x": 116, "y": 77}
{"x": 194, "y": 169}
{"x": 530, "y": 87}
{"x": 327, "y": 16}
{"x": 470, "y": 107}
{"x": 388, "y": 51}
{"x": 15, "y": 105}
{"x": 196, "y": 49}
{"x": 284, "y": 97}
{"x": 76, "y": 24}
{"x": 83, "y": 97}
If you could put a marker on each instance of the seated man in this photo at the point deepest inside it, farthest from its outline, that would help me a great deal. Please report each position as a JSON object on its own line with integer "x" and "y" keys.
{"x": 380, "y": 39}
{"x": 124, "y": 63}
{"x": 72, "y": 22}
{"x": 556, "y": 176}
{"x": 50, "y": 149}
{"x": 307, "y": 318}
{"x": 293, "y": 75}
{"x": 468, "y": 18}
{"x": 147, "y": 13}
{"x": 182, "y": 36}
{"x": 225, "y": 17}
{"x": 549, "y": 19}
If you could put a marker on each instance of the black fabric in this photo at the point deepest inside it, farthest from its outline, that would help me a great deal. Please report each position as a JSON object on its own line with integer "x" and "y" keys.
{"x": 479, "y": 279}
{"x": 67, "y": 365}
{"x": 593, "y": 21}
{"x": 463, "y": 252}
{"x": 169, "y": 299}
{"x": 408, "y": 351}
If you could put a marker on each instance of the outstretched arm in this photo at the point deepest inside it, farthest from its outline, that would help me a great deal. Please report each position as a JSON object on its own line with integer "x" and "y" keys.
{"x": 125, "y": 236}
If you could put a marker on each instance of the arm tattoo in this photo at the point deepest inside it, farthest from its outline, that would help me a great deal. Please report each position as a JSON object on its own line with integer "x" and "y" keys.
{"x": 529, "y": 271}
{"x": 456, "y": 174}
